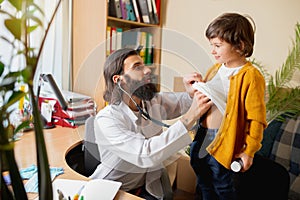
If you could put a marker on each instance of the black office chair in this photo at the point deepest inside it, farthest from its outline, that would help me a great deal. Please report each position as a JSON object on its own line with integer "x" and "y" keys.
{"x": 91, "y": 152}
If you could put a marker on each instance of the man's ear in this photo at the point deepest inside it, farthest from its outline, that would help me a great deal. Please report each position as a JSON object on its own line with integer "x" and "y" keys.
{"x": 116, "y": 78}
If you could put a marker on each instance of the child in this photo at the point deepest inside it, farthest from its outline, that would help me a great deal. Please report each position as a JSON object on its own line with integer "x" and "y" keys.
{"x": 236, "y": 131}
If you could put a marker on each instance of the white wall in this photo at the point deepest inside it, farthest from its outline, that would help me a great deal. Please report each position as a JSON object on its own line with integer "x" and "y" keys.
{"x": 186, "y": 49}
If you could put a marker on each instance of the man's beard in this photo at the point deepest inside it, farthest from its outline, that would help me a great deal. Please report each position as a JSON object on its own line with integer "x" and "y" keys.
{"x": 141, "y": 89}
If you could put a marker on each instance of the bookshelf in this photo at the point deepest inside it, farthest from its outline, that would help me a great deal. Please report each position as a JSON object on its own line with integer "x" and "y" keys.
{"x": 152, "y": 29}
{"x": 90, "y": 22}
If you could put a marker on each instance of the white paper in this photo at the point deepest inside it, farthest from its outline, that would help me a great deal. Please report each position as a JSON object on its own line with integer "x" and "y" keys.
{"x": 46, "y": 111}
{"x": 91, "y": 190}
{"x": 101, "y": 189}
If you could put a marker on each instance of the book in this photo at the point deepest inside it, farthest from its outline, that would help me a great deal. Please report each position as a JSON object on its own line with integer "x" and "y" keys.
{"x": 130, "y": 39}
{"x": 114, "y": 9}
{"x": 150, "y": 11}
{"x": 123, "y": 9}
{"x": 119, "y": 38}
{"x": 155, "y": 14}
{"x": 108, "y": 40}
{"x": 129, "y": 9}
{"x": 149, "y": 52}
{"x": 143, "y": 43}
{"x": 157, "y": 3}
{"x": 113, "y": 39}
{"x": 144, "y": 11}
{"x": 136, "y": 10}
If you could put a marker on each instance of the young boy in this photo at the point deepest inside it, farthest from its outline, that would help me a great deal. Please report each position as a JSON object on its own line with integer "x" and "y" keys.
{"x": 235, "y": 130}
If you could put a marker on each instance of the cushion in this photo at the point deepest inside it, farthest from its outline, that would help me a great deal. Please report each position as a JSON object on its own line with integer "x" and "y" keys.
{"x": 294, "y": 189}
{"x": 286, "y": 151}
{"x": 269, "y": 136}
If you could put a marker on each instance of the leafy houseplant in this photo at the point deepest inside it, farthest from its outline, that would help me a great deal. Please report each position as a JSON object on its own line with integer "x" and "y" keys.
{"x": 21, "y": 23}
{"x": 282, "y": 99}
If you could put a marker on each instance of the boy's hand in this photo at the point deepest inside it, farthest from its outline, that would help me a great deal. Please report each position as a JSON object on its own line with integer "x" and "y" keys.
{"x": 188, "y": 81}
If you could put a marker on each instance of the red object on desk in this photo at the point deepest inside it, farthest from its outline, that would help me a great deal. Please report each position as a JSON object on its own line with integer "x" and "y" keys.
{"x": 75, "y": 115}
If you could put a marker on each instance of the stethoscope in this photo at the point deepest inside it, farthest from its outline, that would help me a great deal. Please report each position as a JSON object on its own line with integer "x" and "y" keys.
{"x": 144, "y": 113}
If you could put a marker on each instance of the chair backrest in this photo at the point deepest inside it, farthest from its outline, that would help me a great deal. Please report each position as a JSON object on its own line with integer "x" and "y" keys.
{"x": 91, "y": 153}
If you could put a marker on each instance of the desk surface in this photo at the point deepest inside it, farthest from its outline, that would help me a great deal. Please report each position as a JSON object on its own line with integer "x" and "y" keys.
{"x": 58, "y": 142}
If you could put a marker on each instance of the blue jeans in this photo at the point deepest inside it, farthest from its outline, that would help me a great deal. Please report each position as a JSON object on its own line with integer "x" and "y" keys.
{"x": 214, "y": 181}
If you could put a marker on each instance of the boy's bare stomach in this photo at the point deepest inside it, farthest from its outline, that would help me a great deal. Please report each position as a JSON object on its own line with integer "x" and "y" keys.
{"x": 213, "y": 119}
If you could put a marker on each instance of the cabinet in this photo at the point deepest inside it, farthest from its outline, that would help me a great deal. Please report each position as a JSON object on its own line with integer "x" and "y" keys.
{"x": 90, "y": 22}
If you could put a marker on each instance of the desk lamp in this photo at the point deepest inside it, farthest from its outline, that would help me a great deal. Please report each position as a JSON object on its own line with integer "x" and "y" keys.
{"x": 63, "y": 103}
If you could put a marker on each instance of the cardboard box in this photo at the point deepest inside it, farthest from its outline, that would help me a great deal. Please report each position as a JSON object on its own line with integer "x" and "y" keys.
{"x": 178, "y": 84}
{"x": 185, "y": 178}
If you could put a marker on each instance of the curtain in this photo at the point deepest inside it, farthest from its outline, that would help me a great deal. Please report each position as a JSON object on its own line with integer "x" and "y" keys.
{"x": 56, "y": 56}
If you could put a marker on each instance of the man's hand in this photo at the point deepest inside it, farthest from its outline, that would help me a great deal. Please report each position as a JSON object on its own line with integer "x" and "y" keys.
{"x": 188, "y": 81}
{"x": 199, "y": 107}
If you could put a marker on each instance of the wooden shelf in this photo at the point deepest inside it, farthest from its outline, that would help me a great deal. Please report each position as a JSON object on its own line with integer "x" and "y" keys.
{"x": 89, "y": 53}
{"x": 127, "y": 23}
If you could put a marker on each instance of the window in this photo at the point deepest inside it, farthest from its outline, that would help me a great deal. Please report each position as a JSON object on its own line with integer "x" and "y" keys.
{"x": 56, "y": 55}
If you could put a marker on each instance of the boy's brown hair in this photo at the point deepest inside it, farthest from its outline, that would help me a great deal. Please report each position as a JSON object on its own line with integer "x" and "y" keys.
{"x": 235, "y": 29}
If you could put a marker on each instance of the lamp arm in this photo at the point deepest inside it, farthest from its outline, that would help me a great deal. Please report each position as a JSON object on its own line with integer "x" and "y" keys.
{"x": 49, "y": 78}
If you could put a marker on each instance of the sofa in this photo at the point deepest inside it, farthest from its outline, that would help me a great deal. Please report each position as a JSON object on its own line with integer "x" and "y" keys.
{"x": 281, "y": 143}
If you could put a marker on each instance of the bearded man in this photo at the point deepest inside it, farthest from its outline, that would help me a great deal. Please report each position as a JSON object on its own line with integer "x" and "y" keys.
{"x": 129, "y": 131}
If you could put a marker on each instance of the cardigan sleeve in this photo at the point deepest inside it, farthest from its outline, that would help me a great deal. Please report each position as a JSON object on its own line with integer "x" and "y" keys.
{"x": 256, "y": 112}
{"x": 255, "y": 135}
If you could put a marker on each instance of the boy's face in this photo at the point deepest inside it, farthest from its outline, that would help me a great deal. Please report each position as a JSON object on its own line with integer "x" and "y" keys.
{"x": 225, "y": 53}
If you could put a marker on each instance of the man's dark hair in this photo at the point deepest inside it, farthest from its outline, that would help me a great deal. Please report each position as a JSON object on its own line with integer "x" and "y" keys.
{"x": 114, "y": 65}
{"x": 235, "y": 29}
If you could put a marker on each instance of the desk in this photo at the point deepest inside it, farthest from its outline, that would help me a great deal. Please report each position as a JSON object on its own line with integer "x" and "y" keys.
{"x": 59, "y": 141}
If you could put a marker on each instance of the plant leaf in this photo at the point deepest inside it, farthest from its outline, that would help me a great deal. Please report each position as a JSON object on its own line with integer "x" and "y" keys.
{"x": 16, "y": 180}
{"x": 7, "y": 40}
{"x": 17, "y": 4}
{"x": 44, "y": 178}
{"x": 27, "y": 74}
{"x": 14, "y": 26}
{"x": 32, "y": 28}
{"x": 1, "y": 68}
{"x": 34, "y": 18}
{"x": 23, "y": 125}
{"x": 38, "y": 8}
{"x": 15, "y": 97}
{"x": 281, "y": 98}
{"x": 6, "y": 13}
{"x": 8, "y": 83}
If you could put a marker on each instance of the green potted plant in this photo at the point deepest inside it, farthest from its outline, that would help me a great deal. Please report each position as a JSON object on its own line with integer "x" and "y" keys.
{"x": 21, "y": 23}
{"x": 282, "y": 98}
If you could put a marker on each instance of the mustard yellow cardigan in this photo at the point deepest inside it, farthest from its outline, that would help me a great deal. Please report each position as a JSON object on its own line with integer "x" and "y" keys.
{"x": 244, "y": 119}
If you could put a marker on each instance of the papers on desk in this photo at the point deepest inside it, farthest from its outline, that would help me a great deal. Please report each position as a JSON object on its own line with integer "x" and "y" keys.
{"x": 90, "y": 190}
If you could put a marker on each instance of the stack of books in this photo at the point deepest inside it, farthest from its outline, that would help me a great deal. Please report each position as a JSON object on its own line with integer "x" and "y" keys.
{"x": 145, "y": 11}
{"x": 117, "y": 39}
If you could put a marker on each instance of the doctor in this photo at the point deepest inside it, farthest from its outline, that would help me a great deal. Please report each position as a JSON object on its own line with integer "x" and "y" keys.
{"x": 129, "y": 131}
